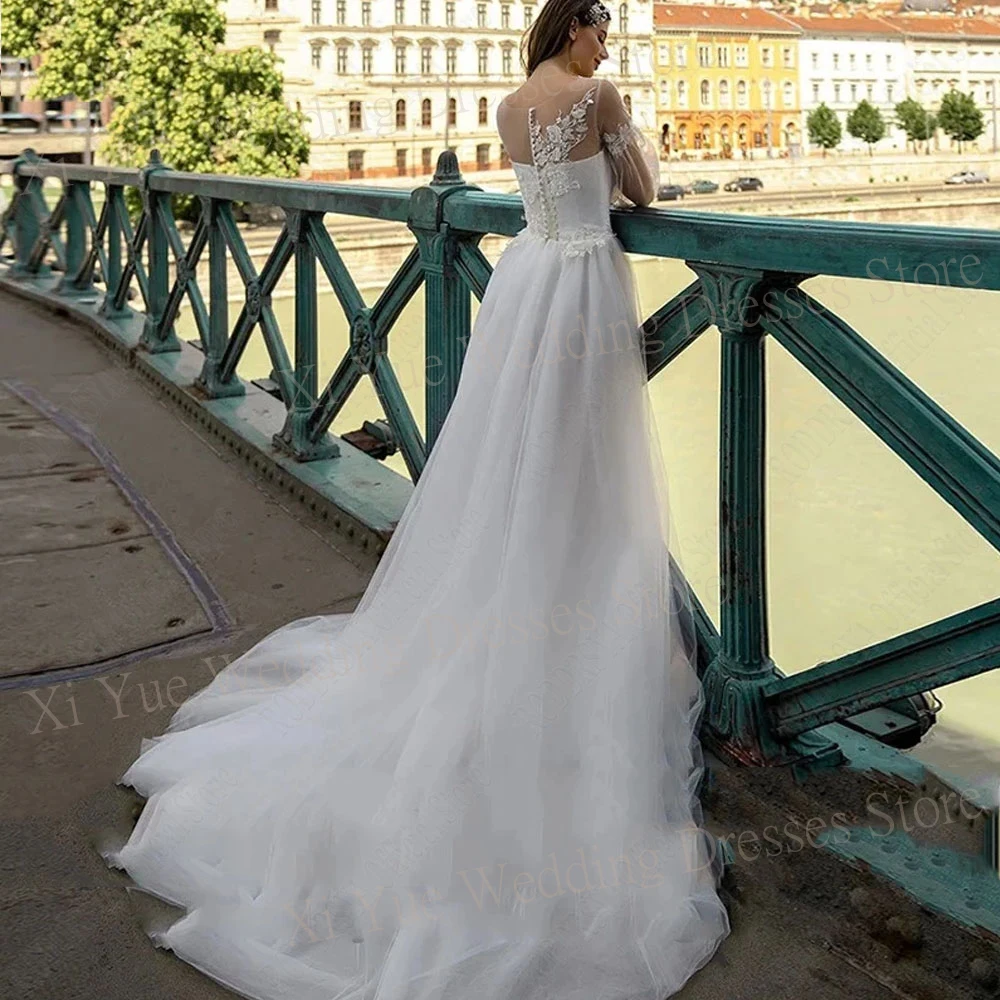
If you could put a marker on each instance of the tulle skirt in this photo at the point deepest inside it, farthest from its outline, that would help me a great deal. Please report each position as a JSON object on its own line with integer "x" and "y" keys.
{"x": 480, "y": 783}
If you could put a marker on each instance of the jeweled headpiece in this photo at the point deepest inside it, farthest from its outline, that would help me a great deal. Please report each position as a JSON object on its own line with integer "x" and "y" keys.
{"x": 595, "y": 14}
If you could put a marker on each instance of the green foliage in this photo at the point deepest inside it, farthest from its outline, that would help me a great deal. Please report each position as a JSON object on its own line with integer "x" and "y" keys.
{"x": 959, "y": 117}
{"x": 24, "y": 20}
{"x": 824, "y": 128}
{"x": 918, "y": 123}
{"x": 865, "y": 122}
{"x": 205, "y": 109}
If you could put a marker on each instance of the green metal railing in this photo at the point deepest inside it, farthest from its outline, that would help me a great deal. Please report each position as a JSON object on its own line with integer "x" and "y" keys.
{"x": 748, "y": 277}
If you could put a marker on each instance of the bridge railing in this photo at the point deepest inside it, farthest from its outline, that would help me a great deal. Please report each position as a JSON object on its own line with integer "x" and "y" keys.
{"x": 748, "y": 277}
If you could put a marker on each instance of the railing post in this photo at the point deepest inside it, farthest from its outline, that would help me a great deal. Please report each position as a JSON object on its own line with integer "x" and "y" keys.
{"x": 72, "y": 284}
{"x": 154, "y": 339}
{"x": 447, "y": 302}
{"x": 294, "y": 436}
{"x": 114, "y": 206}
{"x": 732, "y": 683}
{"x": 27, "y": 226}
{"x": 209, "y": 380}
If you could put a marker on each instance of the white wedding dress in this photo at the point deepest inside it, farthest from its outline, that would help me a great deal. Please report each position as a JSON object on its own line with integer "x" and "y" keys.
{"x": 481, "y": 784}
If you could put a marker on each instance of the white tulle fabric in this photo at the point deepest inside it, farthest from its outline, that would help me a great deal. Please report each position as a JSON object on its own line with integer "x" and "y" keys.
{"x": 481, "y": 783}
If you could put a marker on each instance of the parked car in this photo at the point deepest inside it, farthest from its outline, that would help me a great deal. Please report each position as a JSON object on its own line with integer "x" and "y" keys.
{"x": 967, "y": 177}
{"x": 702, "y": 187}
{"x": 744, "y": 184}
{"x": 670, "y": 192}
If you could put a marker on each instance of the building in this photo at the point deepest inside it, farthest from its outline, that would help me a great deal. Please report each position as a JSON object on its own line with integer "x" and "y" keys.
{"x": 727, "y": 81}
{"x": 389, "y": 84}
{"x": 845, "y": 60}
{"x": 953, "y": 52}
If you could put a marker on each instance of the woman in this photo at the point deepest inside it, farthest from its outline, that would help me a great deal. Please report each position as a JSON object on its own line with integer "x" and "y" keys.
{"x": 481, "y": 783}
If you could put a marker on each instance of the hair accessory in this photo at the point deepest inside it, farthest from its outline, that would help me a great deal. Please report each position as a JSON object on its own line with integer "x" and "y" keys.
{"x": 595, "y": 14}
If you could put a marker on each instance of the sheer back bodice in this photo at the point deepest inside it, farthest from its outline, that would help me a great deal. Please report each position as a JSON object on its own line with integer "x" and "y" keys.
{"x": 575, "y": 152}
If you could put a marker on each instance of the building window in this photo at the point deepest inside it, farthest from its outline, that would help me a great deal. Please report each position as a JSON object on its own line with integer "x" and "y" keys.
{"x": 449, "y": 13}
{"x": 888, "y": 92}
{"x": 815, "y": 60}
{"x": 425, "y": 159}
{"x": 888, "y": 60}
{"x": 663, "y": 54}
{"x": 765, "y": 56}
{"x": 836, "y": 60}
{"x": 742, "y": 56}
{"x": 452, "y": 111}
{"x": 682, "y": 55}
{"x": 723, "y": 93}
{"x": 787, "y": 94}
{"x": 484, "y": 110}
{"x": 425, "y": 11}
{"x": 851, "y": 60}
{"x": 425, "y": 112}
{"x": 665, "y": 93}
{"x": 317, "y": 57}
{"x": 270, "y": 4}
{"x": 505, "y": 15}
{"x": 623, "y": 19}
{"x": 317, "y": 11}
{"x": 786, "y": 57}
{"x": 401, "y": 113}
{"x": 529, "y": 14}
{"x": 425, "y": 59}
{"x": 355, "y": 162}
{"x": 704, "y": 55}
{"x": 623, "y": 60}
{"x": 722, "y": 55}
{"x": 449, "y": 60}
{"x": 836, "y": 93}
{"x": 341, "y": 11}
{"x": 366, "y": 12}
{"x": 400, "y": 11}
{"x": 815, "y": 92}
{"x": 741, "y": 94}
{"x": 483, "y": 60}
{"x": 682, "y": 94}
{"x": 342, "y": 59}
{"x": 854, "y": 91}
{"x": 400, "y": 60}
{"x": 483, "y": 156}
{"x": 366, "y": 60}
{"x": 354, "y": 116}
{"x": 706, "y": 93}
{"x": 480, "y": 15}
{"x": 868, "y": 60}
{"x": 401, "y": 162}
{"x": 507, "y": 66}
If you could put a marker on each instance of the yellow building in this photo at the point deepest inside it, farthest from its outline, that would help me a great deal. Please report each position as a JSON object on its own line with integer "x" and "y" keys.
{"x": 726, "y": 81}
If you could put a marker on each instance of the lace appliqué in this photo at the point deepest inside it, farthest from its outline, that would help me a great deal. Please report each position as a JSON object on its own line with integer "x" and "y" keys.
{"x": 550, "y": 149}
{"x": 618, "y": 141}
{"x": 582, "y": 240}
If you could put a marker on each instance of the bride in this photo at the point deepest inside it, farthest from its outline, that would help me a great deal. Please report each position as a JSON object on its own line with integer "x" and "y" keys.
{"x": 482, "y": 782}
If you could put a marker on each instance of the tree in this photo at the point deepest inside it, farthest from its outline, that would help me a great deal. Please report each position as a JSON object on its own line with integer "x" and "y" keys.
{"x": 824, "y": 128}
{"x": 959, "y": 117}
{"x": 865, "y": 122}
{"x": 206, "y": 110}
{"x": 918, "y": 123}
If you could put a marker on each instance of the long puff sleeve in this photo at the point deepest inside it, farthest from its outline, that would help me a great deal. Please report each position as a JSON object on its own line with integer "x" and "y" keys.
{"x": 635, "y": 163}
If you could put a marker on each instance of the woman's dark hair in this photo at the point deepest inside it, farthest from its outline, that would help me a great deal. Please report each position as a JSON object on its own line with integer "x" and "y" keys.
{"x": 549, "y": 31}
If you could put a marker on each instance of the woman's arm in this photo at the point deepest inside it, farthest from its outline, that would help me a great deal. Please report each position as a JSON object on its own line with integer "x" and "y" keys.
{"x": 635, "y": 163}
